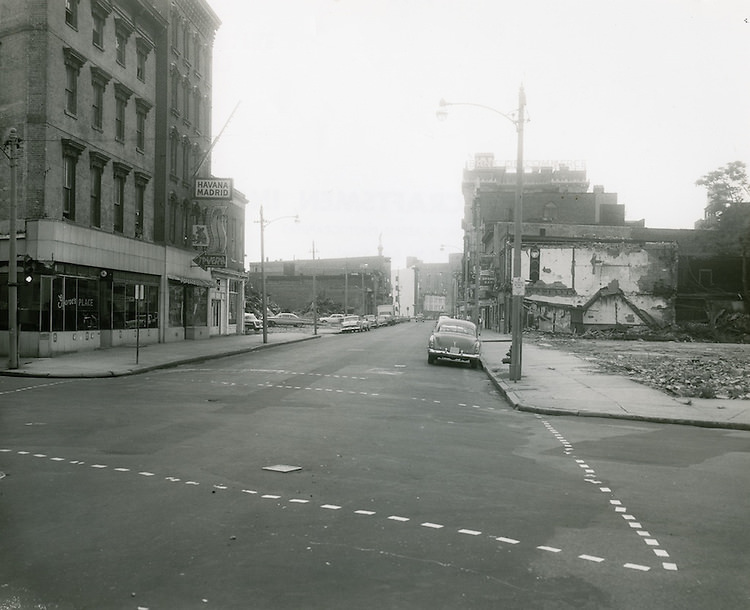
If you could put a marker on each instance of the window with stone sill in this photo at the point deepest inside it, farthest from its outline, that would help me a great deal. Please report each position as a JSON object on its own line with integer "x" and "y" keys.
{"x": 71, "y": 13}
{"x": 73, "y": 63}
{"x": 97, "y": 34}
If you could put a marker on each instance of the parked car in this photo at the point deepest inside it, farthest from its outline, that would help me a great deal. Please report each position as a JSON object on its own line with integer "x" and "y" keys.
{"x": 350, "y": 324}
{"x": 252, "y": 323}
{"x": 454, "y": 339}
{"x": 285, "y": 319}
{"x": 371, "y": 321}
{"x": 334, "y": 318}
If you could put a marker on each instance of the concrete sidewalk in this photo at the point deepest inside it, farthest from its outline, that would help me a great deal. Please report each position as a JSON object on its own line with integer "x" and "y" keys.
{"x": 554, "y": 382}
{"x": 120, "y": 361}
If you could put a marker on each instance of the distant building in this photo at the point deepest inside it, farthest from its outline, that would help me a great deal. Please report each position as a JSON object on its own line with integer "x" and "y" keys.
{"x": 354, "y": 285}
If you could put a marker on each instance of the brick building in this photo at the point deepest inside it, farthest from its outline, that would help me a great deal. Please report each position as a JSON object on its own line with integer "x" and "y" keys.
{"x": 112, "y": 101}
{"x": 582, "y": 264}
{"x": 354, "y": 285}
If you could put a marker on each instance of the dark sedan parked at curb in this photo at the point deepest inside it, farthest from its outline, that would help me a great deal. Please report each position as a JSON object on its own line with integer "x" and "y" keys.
{"x": 454, "y": 339}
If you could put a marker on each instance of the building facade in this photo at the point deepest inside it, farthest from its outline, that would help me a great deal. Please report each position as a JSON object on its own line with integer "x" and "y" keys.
{"x": 581, "y": 263}
{"x": 111, "y": 101}
{"x": 355, "y": 285}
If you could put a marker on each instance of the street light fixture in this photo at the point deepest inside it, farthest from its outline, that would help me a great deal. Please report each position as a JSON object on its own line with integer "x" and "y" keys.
{"x": 518, "y": 286}
{"x": 264, "y": 298}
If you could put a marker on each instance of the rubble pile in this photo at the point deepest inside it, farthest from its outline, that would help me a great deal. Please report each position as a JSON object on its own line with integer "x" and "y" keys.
{"x": 685, "y": 369}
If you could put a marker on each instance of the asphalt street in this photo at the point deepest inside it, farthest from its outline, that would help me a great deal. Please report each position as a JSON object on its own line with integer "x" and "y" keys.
{"x": 409, "y": 486}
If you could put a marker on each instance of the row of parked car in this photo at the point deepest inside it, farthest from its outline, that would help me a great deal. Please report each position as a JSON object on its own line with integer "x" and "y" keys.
{"x": 348, "y": 323}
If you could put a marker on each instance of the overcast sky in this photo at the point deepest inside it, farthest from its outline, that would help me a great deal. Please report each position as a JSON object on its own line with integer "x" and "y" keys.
{"x": 335, "y": 109}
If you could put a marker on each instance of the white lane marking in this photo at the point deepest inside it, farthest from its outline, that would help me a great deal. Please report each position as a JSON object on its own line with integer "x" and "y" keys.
{"x": 428, "y": 524}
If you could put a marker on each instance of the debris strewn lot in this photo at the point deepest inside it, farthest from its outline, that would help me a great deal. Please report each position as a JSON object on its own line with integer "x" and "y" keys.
{"x": 678, "y": 368}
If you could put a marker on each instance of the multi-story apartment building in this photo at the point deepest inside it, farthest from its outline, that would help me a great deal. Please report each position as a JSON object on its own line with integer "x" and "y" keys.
{"x": 111, "y": 100}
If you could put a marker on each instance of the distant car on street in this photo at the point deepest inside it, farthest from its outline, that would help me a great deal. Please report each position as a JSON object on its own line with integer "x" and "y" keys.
{"x": 454, "y": 339}
{"x": 252, "y": 323}
{"x": 334, "y": 318}
{"x": 351, "y": 324}
{"x": 285, "y": 319}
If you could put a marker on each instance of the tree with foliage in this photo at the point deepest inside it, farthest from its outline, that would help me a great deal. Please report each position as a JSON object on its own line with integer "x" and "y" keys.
{"x": 728, "y": 191}
{"x": 728, "y": 212}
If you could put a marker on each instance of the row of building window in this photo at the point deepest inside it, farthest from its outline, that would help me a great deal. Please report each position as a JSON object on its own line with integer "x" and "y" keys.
{"x": 187, "y": 100}
{"x": 99, "y": 81}
{"x": 124, "y": 28}
{"x": 97, "y": 161}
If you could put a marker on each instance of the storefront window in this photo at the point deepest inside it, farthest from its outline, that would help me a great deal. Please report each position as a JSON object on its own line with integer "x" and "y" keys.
{"x": 58, "y": 305}
{"x": 151, "y": 306}
{"x": 46, "y": 305}
{"x": 176, "y": 304}
{"x": 87, "y": 305}
{"x": 197, "y": 305}
{"x": 118, "y": 307}
{"x": 233, "y": 287}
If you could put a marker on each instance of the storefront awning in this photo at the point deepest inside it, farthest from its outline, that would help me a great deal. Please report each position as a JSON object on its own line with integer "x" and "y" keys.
{"x": 192, "y": 281}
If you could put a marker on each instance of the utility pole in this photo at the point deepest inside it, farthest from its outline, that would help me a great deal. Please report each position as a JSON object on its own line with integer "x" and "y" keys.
{"x": 518, "y": 284}
{"x": 315, "y": 294}
{"x": 264, "y": 299}
{"x": 12, "y": 144}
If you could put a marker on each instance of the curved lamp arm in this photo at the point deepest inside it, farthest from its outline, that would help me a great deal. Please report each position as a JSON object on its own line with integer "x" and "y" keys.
{"x": 441, "y": 113}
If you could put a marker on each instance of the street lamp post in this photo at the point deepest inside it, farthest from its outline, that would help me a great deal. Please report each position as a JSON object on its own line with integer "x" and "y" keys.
{"x": 264, "y": 297}
{"x": 518, "y": 285}
{"x": 12, "y": 143}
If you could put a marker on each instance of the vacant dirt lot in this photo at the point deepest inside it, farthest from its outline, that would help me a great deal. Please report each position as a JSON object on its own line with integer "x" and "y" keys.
{"x": 688, "y": 369}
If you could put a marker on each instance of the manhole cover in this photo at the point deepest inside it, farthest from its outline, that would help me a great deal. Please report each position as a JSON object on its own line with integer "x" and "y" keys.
{"x": 282, "y": 468}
